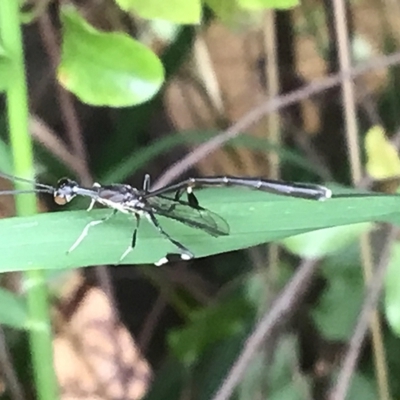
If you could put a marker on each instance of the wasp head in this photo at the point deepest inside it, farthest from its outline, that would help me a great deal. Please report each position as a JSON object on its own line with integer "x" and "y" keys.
{"x": 65, "y": 191}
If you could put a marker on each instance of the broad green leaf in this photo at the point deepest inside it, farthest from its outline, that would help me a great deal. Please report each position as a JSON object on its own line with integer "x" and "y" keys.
{"x": 13, "y": 310}
{"x": 106, "y": 69}
{"x": 392, "y": 292}
{"x": 179, "y": 11}
{"x": 260, "y": 4}
{"x": 324, "y": 242}
{"x": 383, "y": 160}
{"x": 254, "y": 217}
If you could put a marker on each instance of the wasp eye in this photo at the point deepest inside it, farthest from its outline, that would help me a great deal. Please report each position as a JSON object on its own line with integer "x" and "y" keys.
{"x": 60, "y": 200}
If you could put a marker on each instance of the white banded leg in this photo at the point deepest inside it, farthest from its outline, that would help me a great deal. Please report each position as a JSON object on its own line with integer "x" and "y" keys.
{"x": 133, "y": 242}
{"x": 191, "y": 198}
{"x": 171, "y": 257}
{"x": 86, "y": 230}
{"x": 185, "y": 254}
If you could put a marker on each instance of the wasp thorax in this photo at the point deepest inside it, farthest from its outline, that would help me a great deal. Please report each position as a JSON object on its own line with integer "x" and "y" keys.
{"x": 65, "y": 191}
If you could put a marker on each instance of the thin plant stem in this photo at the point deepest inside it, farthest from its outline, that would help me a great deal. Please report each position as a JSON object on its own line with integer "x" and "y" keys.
{"x": 35, "y": 284}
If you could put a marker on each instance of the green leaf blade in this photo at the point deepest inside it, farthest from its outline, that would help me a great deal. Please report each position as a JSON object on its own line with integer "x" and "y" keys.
{"x": 254, "y": 218}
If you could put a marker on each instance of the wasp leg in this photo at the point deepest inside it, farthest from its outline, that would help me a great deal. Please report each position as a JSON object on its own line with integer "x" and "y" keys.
{"x": 133, "y": 242}
{"x": 93, "y": 202}
{"x": 191, "y": 198}
{"x": 185, "y": 254}
{"x": 86, "y": 230}
{"x": 146, "y": 183}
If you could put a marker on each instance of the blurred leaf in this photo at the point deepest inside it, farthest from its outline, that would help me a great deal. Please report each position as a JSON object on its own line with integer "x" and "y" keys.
{"x": 13, "y": 310}
{"x": 179, "y": 11}
{"x": 254, "y": 217}
{"x": 225, "y": 10}
{"x": 348, "y": 257}
{"x": 169, "y": 382}
{"x": 362, "y": 388}
{"x": 254, "y": 379}
{"x": 383, "y": 161}
{"x": 256, "y": 290}
{"x": 211, "y": 370}
{"x": 282, "y": 376}
{"x": 323, "y": 242}
{"x": 234, "y": 16}
{"x": 286, "y": 381}
{"x": 339, "y": 305}
{"x": 392, "y": 351}
{"x": 106, "y": 69}
{"x": 392, "y": 290}
{"x": 260, "y": 4}
{"x": 208, "y": 326}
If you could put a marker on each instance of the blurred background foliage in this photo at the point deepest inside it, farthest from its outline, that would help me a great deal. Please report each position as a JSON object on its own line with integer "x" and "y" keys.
{"x": 119, "y": 88}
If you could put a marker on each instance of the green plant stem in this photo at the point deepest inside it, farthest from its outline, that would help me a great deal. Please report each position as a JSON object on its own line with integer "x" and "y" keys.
{"x": 17, "y": 114}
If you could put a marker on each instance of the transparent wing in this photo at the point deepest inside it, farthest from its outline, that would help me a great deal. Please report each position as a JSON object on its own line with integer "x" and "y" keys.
{"x": 196, "y": 217}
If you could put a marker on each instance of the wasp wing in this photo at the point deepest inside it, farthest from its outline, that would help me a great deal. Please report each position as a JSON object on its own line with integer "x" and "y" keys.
{"x": 196, "y": 217}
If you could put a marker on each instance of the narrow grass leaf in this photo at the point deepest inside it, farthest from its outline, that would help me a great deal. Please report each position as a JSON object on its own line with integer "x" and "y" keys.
{"x": 254, "y": 217}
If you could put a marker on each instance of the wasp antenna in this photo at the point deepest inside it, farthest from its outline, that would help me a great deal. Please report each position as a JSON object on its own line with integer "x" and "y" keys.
{"x": 13, "y": 178}
{"x": 14, "y": 192}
